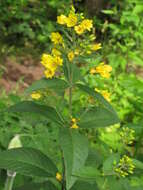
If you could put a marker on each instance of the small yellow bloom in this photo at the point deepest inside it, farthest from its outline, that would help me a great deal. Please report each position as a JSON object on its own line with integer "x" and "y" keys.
{"x": 49, "y": 73}
{"x": 104, "y": 70}
{"x": 87, "y": 24}
{"x": 36, "y": 95}
{"x": 56, "y": 52}
{"x": 57, "y": 60}
{"x": 74, "y": 120}
{"x": 104, "y": 93}
{"x": 71, "y": 19}
{"x": 92, "y": 71}
{"x": 71, "y": 55}
{"x": 58, "y": 176}
{"x": 62, "y": 19}
{"x": 74, "y": 126}
{"x": 88, "y": 52}
{"x": 48, "y": 62}
{"x": 74, "y": 123}
{"x": 79, "y": 29}
{"x": 56, "y": 38}
{"x": 96, "y": 47}
{"x": 77, "y": 51}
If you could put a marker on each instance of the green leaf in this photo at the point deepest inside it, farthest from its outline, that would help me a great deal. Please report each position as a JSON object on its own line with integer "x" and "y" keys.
{"x": 54, "y": 84}
{"x": 108, "y": 165}
{"x": 87, "y": 172}
{"x": 80, "y": 185}
{"x": 27, "y": 161}
{"x": 97, "y": 96}
{"x": 97, "y": 117}
{"x": 75, "y": 152}
{"x": 138, "y": 164}
{"x": 32, "y": 107}
{"x": 37, "y": 186}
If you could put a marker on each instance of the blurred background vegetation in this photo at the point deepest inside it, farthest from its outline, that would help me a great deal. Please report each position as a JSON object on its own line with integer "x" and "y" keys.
{"x": 25, "y": 26}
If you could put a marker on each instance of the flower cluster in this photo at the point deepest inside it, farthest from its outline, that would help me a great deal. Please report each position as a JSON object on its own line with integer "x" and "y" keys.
{"x": 124, "y": 167}
{"x": 72, "y": 20}
{"x": 104, "y": 93}
{"x": 36, "y": 95}
{"x": 74, "y": 124}
{"x": 127, "y": 135}
{"x": 51, "y": 62}
{"x": 102, "y": 69}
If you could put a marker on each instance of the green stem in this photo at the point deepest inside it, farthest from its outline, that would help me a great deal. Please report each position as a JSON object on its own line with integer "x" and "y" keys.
{"x": 9, "y": 182}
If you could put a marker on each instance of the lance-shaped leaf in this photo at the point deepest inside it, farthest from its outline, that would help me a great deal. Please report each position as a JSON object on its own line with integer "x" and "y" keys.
{"x": 97, "y": 96}
{"x": 75, "y": 152}
{"x": 54, "y": 84}
{"x": 32, "y": 107}
{"x": 27, "y": 161}
{"x": 98, "y": 117}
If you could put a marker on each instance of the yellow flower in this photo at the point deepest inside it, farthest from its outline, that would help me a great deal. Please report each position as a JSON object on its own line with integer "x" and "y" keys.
{"x": 56, "y": 38}
{"x": 79, "y": 29}
{"x": 103, "y": 70}
{"x": 49, "y": 73}
{"x": 36, "y": 95}
{"x": 71, "y": 55}
{"x": 87, "y": 24}
{"x": 74, "y": 123}
{"x": 58, "y": 176}
{"x": 74, "y": 126}
{"x": 104, "y": 93}
{"x": 49, "y": 62}
{"x": 88, "y": 52}
{"x": 62, "y": 19}
{"x": 71, "y": 19}
{"x": 74, "y": 120}
{"x": 76, "y": 52}
{"x": 56, "y": 52}
{"x": 57, "y": 60}
{"x": 96, "y": 47}
{"x": 92, "y": 71}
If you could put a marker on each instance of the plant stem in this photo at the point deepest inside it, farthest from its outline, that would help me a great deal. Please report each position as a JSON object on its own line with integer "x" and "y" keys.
{"x": 70, "y": 101}
{"x": 9, "y": 182}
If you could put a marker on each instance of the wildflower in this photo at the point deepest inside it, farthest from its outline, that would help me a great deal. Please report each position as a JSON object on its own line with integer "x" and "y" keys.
{"x": 92, "y": 71}
{"x": 88, "y": 52}
{"x": 104, "y": 93}
{"x": 58, "y": 176}
{"x": 56, "y": 38}
{"x": 127, "y": 135}
{"x": 76, "y": 52}
{"x": 61, "y": 19}
{"x": 124, "y": 167}
{"x": 36, "y": 95}
{"x": 74, "y": 123}
{"x": 103, "y": 70}
{"x": 47, "y": 61}
{"x": 71, "y": 55}
{"x": 79, "y": 29}
{"x": 95, "y": 47}
{"x": 87, "y": 24}
{"x": 57, "y": 60}
{"x": 71, "y": 19}
{"x": 49, "y": 73}
{"x": 56, "y": 52}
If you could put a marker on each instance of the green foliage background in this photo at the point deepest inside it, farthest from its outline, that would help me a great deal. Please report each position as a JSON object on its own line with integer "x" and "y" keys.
{"x": 26, "y": 25}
